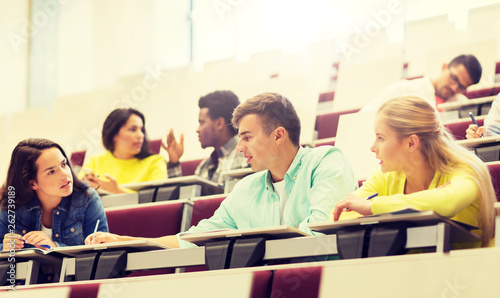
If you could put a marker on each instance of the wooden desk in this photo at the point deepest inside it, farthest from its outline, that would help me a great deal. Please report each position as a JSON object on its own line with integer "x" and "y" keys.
{"x": 30, "y": 261}
{"x": 190, "y": 186}
{"x": 430, "y": 229}
{"x": 474, "y": 143}
{"x": 448, "y": 106}
{"x": 232, "y": 177}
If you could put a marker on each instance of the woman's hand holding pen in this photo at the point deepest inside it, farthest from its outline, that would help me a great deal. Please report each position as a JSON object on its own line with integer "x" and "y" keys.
{"x": 354, "y": 203}
{"x": 102, "y": 237}
{"x": 39, "y": 239}
{"x": 474, "y": 132}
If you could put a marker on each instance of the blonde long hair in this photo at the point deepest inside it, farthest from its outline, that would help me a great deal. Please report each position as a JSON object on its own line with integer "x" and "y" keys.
{"x": 409, "y": 115}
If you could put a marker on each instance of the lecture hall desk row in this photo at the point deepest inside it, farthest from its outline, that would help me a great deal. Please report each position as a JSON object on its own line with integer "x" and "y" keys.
{"x": 465, "y": 273}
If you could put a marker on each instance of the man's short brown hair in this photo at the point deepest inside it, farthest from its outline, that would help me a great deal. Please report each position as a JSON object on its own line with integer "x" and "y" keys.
{"x": 274, "y": 110}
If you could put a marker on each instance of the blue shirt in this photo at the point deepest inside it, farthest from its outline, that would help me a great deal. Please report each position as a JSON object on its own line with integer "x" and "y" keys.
{"x": 315, "y": 181}
{"x": 73, "y": 220}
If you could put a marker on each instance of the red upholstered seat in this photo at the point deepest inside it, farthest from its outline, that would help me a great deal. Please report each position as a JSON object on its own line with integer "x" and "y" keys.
{"x": 458, "y": 129}
{"x": 261, "y": 284}
{"x": 148, "y": 220}
{"x": 495, "y": 177}
{"x": 327, "y": 124}
{"x": 188, "y": 167}
{"x": 77, "y": 158}
{"x": 480, "y": 93}
{"x": 296, "y": 282}
{"x": 154, "y": 146}
{"x": 205, "y": 208}
{"x": 327, "y": 96}
{"x": 202, "y": 209}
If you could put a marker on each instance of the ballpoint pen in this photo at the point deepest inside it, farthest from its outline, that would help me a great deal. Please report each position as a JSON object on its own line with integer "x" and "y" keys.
{"x": 95, "y": 230}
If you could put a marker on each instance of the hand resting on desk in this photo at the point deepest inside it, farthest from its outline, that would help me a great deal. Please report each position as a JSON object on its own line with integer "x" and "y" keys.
{"x": 354, "y": 203}
{"x": 102, "y": 237}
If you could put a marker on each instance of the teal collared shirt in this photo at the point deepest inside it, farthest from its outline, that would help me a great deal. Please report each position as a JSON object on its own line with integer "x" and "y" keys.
{"x": 315, "y": 181}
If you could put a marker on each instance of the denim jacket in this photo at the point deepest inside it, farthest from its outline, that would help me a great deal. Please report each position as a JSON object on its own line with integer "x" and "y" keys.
{"x": 73, "y": 220}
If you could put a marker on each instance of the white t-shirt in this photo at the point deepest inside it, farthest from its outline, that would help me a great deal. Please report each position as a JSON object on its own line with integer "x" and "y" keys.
{"x": 279, "y": 188}
{"x": 47, "y": 231}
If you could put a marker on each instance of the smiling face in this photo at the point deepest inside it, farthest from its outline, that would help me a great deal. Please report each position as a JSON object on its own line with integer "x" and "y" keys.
{"x": 388, "y": 148}
{"x": 258, "y": 147}
{"x": 454, "y": 79}
{"x": 129, "y": 139}
{"x": 53, "y": 178}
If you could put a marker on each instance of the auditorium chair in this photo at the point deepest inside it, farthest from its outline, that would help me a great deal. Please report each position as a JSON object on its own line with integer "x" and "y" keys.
{"x": 147, "y": 220}
{"x": 296, "y": 282}
{"x": 188, "y": 167}
{"x": 494, "y": 168}
{"x": 326, "y": 124}
{"x": 154, "y": 146}
{"x": 457, "y": 129}
{"x": 203, "y": 208}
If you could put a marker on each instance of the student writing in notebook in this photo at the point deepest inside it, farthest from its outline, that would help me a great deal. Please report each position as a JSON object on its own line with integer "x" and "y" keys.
{"x": 43, "y": 203}
{"x": 491, "y": 123}
{"x": 293, "y": 185}
{"x": 421, "y": 166}
{"x": 128, "y": 158}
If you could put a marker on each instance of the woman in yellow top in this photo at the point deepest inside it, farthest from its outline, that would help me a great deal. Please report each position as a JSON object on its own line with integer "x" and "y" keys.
{"x": 127, "y": 159}
{"x": 421, "y": 166}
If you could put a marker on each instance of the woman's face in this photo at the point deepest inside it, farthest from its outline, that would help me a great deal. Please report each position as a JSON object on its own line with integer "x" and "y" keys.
{"x": 53, "y": 178}
{"x": 388, "y": 148}
{"x": 128, "y": 141}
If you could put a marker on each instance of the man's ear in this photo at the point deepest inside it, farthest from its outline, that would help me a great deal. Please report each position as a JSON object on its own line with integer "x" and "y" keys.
{"x": 219, "y": 123}
{"x": 279, "y": 135}
{"x": 33, "y": 185}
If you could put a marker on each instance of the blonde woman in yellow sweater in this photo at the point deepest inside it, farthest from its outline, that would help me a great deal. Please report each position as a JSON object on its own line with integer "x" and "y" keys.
{"x": 127, "y": 159}
{"x": 421, "y": 166}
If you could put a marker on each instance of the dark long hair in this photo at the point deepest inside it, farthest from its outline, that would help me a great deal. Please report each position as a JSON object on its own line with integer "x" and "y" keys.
{"x": 115, "y": 120}
{"x": 23, "y": 168}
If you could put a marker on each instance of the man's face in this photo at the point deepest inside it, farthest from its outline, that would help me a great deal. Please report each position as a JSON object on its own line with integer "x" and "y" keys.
{"x": 454, "y": 79}
{"x": 258, "y": 147}
{"x": 206, "y": 129}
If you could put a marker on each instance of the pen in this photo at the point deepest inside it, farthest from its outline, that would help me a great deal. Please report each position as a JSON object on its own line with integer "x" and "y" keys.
{"x": 95, "y": 230}
{"x": 474, "y": 120}
{"x": 45, "y": 246}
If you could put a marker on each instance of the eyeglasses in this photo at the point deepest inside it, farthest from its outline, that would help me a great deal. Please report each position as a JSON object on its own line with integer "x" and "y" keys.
{"x": 454, "y": 79}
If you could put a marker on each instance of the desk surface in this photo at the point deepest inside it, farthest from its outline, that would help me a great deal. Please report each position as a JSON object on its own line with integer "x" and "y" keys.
{"x": 279, "y": 232}
{"x": 473, "y": 143}
{"x": 136, "y": 245}
{"x": 238, "y": 173}
{"x": 457, "y": 105}
{"x": 423, "y": 218}
{"x": 185, "y": 180}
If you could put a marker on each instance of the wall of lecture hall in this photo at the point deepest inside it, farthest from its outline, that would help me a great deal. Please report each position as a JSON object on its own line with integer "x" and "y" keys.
{"x": 115, "y": 62}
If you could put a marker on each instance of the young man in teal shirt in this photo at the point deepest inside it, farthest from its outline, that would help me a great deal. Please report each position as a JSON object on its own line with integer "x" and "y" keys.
{"x": 293, "y": 185}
